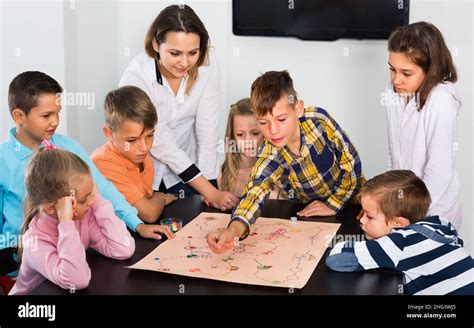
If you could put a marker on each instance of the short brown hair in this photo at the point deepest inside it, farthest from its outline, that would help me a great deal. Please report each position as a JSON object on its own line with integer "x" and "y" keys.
{"x": 424, "y": 45}
{"x": 129, "y": 103}
{"x": 399, "y": 193}
{"x": 270, "y": 87}
{"x": 26, "y": 87}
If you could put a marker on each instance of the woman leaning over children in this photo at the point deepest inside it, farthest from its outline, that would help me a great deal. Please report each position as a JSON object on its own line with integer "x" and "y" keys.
{"x": 181, "y": 76}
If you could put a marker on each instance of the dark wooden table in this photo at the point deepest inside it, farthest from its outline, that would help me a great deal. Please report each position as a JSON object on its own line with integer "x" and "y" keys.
{"x": 109, "y": 277}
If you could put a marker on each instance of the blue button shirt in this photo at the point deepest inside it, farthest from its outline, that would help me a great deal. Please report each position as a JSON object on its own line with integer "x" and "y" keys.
{"x": 14, "y": 158}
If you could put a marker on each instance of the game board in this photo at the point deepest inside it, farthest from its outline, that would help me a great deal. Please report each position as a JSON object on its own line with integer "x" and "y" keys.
{"x": 278, "y": 253}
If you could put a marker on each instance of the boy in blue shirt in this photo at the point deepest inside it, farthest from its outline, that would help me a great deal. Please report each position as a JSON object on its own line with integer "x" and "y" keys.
{"x": 34, "y": 99}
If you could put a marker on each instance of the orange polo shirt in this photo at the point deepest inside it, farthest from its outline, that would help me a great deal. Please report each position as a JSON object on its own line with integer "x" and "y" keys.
{"x": 125, "y": 174}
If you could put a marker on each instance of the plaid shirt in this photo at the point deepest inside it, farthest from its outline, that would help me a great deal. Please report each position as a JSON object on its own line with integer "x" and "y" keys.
{"x": 328, "y": 170}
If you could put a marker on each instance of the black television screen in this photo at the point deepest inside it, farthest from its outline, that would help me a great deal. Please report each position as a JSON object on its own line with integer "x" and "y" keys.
{"x": 319, "y": 19}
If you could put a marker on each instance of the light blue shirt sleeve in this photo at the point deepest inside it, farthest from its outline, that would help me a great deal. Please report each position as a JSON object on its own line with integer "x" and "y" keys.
{"x": 2, "y": 219}
{"x": 122, "y": 208}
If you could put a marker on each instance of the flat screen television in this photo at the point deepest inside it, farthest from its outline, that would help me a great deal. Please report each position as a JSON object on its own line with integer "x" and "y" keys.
{"x": 319, "y": 19}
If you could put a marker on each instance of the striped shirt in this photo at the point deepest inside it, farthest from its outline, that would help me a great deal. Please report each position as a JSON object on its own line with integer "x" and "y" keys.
{"x": 429, "y": 253}
{"x": 328, "y": 170}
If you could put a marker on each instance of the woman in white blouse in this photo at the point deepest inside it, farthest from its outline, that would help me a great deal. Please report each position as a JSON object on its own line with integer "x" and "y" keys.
{"x": 422, "y": 110}
{"x": 181, "y": 76}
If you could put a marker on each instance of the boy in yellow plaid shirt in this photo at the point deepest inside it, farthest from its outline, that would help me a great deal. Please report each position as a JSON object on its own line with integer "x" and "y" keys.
{"x": 305, "y": 149}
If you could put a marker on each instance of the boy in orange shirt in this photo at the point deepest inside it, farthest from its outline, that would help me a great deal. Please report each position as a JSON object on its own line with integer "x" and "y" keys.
{"x": 130, "y": 119}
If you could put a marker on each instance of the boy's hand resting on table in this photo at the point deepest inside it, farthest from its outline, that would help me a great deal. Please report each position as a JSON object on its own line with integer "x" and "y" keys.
{"x": 223, "y": 240}
{"x": 167, "y": 198}
{"x": 316, "y": 208}
{"x": 153, "y": 231}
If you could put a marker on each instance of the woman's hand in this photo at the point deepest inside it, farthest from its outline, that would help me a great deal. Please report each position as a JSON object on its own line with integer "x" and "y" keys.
{"x": 223, "y": 200}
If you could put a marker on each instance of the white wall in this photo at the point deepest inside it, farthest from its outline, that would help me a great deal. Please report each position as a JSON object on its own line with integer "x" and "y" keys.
{"x": 91, "y": 32}
{"x": 101, "y": 37}
{"x": 350, "y": 87}
{"x": 31, "y": 39}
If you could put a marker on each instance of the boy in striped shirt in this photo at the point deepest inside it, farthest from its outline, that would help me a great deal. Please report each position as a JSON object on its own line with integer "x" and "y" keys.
{"x": 427, "y": 250}
{"x": 303, "y": 148}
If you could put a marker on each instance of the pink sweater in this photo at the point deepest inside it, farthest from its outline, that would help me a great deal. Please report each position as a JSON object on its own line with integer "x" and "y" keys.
{"x": 57, "y": 252}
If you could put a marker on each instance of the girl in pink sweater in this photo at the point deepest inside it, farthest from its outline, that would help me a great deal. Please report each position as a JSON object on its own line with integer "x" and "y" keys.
{"x": 65, "y": 215}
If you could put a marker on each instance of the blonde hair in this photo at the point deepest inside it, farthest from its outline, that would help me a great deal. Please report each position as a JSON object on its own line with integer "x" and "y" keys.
{"x": 230, "y": 166}
{"x": 47, "y": 180}
{"x": 129, "y": 103}
{"x": 179, "y": 18}
{"x": 399, "y": 193}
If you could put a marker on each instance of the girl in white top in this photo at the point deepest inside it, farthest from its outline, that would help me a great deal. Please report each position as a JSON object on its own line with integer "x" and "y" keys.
{"x": 181, "y": 77}
{"x": 422, "y": 108}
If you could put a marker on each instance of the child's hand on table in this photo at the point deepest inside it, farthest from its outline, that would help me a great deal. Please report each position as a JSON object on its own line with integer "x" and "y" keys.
{"x": 316, "y": 208}
{"x": 153, "y": 231}
{"x": 168, "y": 198}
